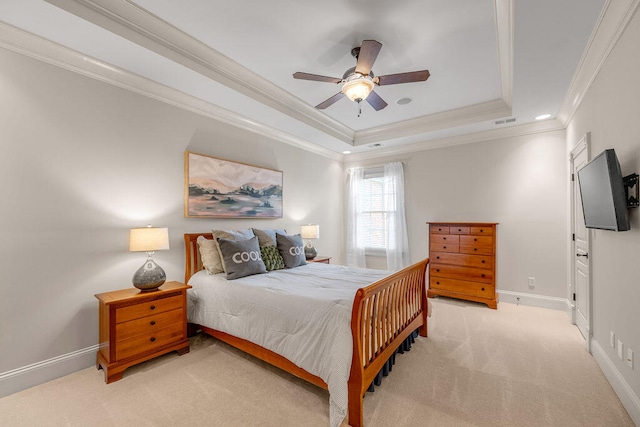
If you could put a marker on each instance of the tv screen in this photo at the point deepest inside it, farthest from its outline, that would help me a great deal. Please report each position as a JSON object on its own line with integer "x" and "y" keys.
{"x": 604, "y": 202}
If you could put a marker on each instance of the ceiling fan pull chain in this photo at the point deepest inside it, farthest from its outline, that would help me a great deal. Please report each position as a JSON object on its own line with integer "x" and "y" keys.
{"x": 359, "y": 109}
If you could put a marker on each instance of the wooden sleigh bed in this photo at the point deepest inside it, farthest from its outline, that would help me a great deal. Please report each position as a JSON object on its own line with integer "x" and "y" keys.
{"x": 384, "y": 315}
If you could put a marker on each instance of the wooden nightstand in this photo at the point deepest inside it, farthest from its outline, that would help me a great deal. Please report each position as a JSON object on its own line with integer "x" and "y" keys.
{"x": 321, "y": 259}
{"x": 137, "y": 326}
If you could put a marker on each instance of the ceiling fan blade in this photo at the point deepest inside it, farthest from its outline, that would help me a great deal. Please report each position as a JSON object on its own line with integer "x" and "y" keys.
{"x": 368, "y": 53}
{"x": 316, "y": 77}
{"x": 335, "y": 98}
{"x": 392, "y": 79}
{"x": 375, "y": 101}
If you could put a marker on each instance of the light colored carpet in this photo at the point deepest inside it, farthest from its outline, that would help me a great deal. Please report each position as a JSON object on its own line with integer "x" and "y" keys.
{"x": 517, "y": 366}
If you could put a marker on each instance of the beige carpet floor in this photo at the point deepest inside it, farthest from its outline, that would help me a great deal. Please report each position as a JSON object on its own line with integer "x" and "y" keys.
{"x": 517, "y": 366}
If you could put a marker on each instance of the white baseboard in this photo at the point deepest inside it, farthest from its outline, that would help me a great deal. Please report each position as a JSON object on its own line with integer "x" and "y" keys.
{"x": 40, "y": 372}
{"x": 533, "y": 300}
{"x": 629, "y": 399}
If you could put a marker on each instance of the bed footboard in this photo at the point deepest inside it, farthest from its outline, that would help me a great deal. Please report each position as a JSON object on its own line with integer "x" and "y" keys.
{"x": 384, "y": 314}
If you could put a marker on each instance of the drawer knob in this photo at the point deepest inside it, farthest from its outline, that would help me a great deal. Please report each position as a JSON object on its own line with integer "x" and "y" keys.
{"x": 153, "y": 322}
{"x": 438, "y": 257}
{"x": 475, "y": 249}
{"x": 444, "y": 238}
{"x": 483, "y": 275}
{"x": 483, "y": 261}
{"x": 481, "y": 230}
{"x": 475, "y": 240}
{"x": 438, "y": 270}
{"x": 437, "y": 283}
{"x": 152, "y": 339}
{"x": 153, "y": 307}
{"x": 444, "y": 247}
{"x": 439, "y": 229}
{"x": 483, "y": 289}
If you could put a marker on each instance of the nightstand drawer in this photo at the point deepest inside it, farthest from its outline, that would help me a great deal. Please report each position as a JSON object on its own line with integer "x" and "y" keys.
{"x": 148, "y": 325}
{"x": 131, "y": 312}
{"x": 144, "y": 343}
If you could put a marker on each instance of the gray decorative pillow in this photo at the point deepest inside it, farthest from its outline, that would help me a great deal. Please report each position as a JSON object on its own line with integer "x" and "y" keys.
{"x": 291, "y": 249}
{"x": 241, "y": 257}
{"x": 210, "y": 255}
{"x": 271, "y": 257}
{"x": 244, "y": 234}
{"x": 267, "y": 236}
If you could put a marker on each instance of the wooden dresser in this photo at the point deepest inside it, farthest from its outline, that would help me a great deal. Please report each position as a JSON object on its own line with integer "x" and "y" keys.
{"x": 462, "y": 261}
{"x": 137, "y": 326}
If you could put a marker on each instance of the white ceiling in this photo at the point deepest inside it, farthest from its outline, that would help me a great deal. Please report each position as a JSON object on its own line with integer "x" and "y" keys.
{"x": 489, "y": 59}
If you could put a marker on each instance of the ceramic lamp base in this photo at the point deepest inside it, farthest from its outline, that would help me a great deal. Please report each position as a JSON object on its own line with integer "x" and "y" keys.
{"x": 309, "y": 251}
{"x": 149, "y": 277}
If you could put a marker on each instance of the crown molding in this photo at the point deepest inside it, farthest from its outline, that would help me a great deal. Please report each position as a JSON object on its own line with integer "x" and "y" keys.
{"x": 489, "y": 110}
{"x": 504, "y": 36}
{"x": 33, "y": 46}
{"x": 611, "y": 24}
{"x": 489, "y": 135}
{"x": 139, "y": 26}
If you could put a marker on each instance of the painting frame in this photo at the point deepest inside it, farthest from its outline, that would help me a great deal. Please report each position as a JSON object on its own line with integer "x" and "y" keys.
{"x": 221, "y": 188}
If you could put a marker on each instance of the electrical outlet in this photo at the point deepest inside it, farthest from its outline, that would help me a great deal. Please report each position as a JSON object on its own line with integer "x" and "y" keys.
{"x": 612, "y": 339}
{"x": 532, "y": 282}
{"x": 620, "y": 349}
{"x": 630, "y": 358}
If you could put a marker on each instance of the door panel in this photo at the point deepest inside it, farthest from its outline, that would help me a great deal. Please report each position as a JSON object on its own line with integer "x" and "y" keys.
{"x": 581, "y": 245}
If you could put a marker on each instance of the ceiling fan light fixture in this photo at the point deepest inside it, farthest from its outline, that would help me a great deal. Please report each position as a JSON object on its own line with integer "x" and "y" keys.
{"x": 358, "y": 87}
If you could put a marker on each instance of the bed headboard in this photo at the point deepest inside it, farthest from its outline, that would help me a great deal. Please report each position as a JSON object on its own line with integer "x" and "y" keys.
{"x": 193, "y": 262}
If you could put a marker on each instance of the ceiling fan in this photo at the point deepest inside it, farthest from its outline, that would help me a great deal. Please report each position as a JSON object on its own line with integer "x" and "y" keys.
{"x": 359, "y": 81}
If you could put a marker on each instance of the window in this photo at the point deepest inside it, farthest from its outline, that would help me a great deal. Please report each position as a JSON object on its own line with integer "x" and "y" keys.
{"x": 373, "y": 233}
{"x": 376, "y": 222}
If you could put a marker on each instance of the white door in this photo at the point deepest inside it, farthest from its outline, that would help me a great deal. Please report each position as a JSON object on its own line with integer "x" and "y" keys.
{"x": 581, "y": 247}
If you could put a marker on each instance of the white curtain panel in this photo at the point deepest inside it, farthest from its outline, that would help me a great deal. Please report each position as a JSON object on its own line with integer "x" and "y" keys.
{"x": 398, "y": 242}
{"x": 355, "y": 252}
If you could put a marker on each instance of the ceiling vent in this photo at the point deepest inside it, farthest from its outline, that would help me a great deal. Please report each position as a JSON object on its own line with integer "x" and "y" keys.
{"x": 505, "y": 121}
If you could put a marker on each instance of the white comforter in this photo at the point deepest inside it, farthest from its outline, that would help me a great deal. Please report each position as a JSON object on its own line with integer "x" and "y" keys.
{"x": 303, "y": 314}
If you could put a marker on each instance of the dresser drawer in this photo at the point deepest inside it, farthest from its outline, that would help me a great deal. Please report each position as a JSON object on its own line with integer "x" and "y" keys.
{"x": 463, "y": 287}
{"x": 482, "y": 231}
{"x": 480, "y": 245}
{"x": 143, "y": 343}
{"x": 458, "y": 230}
{"x": 438, "y": 229}
{"x": 149, "y": 324}
{"x": 477, "y": 261}
{"x": 444, "y": 243}
{"x": 124, "y": 314}
{"x": 465, "y": 273}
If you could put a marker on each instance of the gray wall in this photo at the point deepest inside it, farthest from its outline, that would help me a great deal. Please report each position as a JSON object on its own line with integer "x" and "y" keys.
{"x": 520, "y": 183}
{"x": 611, "y": 112}
{"x": 81, "y": 162}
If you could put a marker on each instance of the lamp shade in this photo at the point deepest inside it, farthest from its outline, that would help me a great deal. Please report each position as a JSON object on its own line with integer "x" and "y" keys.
{"x": 148, "y": 239}
{"x": 311, "y": 231}
{"x": 358, "y": 87}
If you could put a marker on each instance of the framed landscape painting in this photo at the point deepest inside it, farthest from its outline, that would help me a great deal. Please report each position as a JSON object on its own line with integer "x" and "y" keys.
{"x": 217, "y": 188}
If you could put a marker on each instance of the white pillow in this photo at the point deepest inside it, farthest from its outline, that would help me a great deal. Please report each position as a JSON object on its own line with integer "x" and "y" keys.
{"x": 210, "y": 255}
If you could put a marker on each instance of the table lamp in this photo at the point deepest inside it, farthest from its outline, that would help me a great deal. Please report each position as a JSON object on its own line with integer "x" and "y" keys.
{"x": 311, "y": 231}
{"x": 149, "y": 239}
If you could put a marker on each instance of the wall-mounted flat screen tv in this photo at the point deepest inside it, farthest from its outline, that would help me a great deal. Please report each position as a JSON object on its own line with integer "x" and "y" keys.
{"x": 604, "y": 201}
